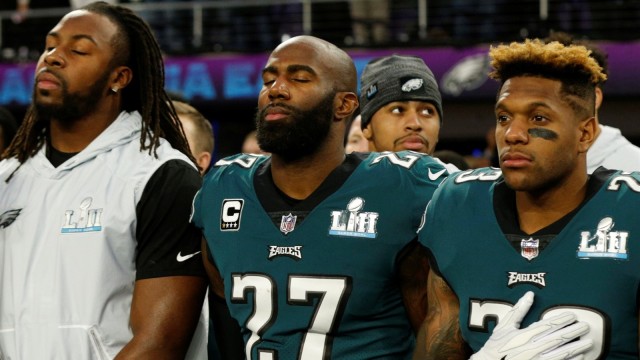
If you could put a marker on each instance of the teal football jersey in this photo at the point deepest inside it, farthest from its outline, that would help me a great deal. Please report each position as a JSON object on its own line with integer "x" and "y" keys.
{"x": 318, "y": 284}
{"x": 591, "y": 267}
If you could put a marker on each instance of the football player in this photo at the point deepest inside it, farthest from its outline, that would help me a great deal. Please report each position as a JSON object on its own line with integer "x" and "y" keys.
{"x": 496, "y": 234}
{"x": 315, "y": 250}
{"x": 401, "y": 105}
{"x": 97, "y": 254}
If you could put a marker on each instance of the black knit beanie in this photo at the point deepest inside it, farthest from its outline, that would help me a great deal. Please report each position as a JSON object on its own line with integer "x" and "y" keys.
{"x": 396, "y": 78}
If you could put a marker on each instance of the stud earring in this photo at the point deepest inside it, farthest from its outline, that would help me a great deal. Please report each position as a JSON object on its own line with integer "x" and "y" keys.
{"x": 114, "y": 89}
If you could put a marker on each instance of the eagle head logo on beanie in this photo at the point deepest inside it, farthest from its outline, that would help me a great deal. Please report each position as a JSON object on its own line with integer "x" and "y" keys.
{"x": 413, "y": 84}
{"x": 396, "y": 78}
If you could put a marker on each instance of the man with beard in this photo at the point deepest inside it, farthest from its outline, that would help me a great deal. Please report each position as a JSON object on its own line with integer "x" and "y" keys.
{"x": 401, "y": 105}
{"x": 315, "y": 251}
{"x": 98, "y": 259}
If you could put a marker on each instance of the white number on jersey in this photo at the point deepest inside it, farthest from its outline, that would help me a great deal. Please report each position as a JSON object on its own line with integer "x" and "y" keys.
{"x": 626, "y": 178}
{"x": 466, "y": 176}
{"x": 331, "y": 292}
{"x": 246, "y": 161}
{"x": 481, "y": 312}
{"x": 406, "y": 162}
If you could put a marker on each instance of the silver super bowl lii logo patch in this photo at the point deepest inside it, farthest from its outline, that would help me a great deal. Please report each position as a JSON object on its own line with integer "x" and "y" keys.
{"x": 354, "y": 222}
{"x": 82, "y": 219}
{"x": 288, "y": 223}
{"x": 604, "y": 242}
{"x": 529, "y": 248}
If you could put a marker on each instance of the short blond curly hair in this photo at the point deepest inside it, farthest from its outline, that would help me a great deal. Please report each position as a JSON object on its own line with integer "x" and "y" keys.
{"x": 572, "y": 65}
{"x": 534, "y": 57}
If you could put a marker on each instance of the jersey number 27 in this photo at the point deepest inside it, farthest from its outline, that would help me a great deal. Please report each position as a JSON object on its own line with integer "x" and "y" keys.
{"x": 331, "y": 294}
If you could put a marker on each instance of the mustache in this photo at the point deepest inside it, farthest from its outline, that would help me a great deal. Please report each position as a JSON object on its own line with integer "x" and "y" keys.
{"x": 424, "y": 139}
{"x": 289, "y": 108}
{"x": 59, "y": 78}
{"x": 53, "y": 73}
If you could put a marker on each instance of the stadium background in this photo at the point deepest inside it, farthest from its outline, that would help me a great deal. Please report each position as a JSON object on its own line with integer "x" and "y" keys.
{"x": 216, "y": 49}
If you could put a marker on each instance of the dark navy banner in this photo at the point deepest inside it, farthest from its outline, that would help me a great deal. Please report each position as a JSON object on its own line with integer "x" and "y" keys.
{"x": 461, "y": 72}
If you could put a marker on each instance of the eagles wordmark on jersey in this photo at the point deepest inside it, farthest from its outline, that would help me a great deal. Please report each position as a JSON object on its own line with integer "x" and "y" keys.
{"x": 316, "y": 279}
{"x": 590, "y": 265}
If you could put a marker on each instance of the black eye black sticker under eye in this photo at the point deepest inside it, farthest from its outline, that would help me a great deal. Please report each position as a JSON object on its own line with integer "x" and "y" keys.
{"x": 543, "y": 133}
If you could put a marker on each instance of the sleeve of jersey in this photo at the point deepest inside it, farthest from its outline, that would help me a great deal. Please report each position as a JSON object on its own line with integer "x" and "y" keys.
{"x": 431, "y": 174}
{"x": 435, "y": 214}
{"x": 196, "y": 213}
{"x": 168, "y": 243}
{"x": 199, "y": 211}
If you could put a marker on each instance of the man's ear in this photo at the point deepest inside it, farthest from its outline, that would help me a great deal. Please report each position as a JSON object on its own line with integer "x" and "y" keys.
{"x": 587, "y": 130}
{"x": 121, "y": 77}
{"x": 203, "y": 159}
{"x": 367, "y": 132}
{"x": 598, "y": 98}
{"x": 345, "y": 104}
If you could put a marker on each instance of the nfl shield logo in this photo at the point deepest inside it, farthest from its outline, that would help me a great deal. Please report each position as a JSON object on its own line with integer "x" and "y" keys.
{"x": 288, "y": 223}
{"x": 529, "y": 248}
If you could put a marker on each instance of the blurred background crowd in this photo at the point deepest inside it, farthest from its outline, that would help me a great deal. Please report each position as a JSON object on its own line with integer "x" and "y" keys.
{"x": 195, "y": 27}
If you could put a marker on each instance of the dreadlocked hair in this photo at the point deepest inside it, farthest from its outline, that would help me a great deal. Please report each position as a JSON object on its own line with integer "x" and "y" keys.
{"x": 29, "y": 138}
{"x": 572, "y": 65}
{"x": 134, "y": 46}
